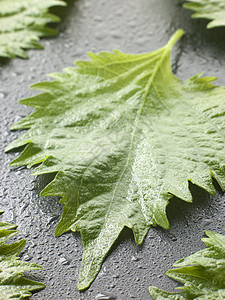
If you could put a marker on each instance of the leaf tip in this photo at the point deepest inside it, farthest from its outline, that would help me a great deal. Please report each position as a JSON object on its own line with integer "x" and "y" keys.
{"x": 83, "y": 285}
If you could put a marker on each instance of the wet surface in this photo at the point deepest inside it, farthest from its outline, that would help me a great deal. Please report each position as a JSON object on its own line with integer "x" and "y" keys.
{"x": 133, "y": 27}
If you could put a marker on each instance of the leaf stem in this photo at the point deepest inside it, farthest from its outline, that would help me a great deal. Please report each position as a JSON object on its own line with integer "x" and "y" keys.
{"x": 176, "y": 36}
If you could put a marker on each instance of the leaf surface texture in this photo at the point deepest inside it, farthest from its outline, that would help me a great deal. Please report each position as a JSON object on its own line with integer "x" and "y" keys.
{"x": 22, "y": 23}
{"x": 12, "y": 283}
{"x": 202, "y": 273}
{"x": 123, "y": 135}
{"x": 213, "y": 10}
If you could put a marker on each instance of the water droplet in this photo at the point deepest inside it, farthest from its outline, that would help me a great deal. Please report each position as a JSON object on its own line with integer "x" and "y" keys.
{"x": 98, "y": 18}
{"x": 206, "y": 222}
{"x": 105, "y": 296}
{"x": 26, "y": 257}
{"x": 15, "y": 74}
{"x": 135, "y": 258}
{"x": 64, "y": 261}
{"x": 115, "y": 34}
{"x": 2, "y": 95}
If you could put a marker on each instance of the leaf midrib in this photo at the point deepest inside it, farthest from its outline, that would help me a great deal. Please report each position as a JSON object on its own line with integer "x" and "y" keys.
{"x": 147, "y": 90}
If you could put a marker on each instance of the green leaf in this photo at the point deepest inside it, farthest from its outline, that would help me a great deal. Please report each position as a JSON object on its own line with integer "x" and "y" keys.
{"x": 203, "y": 273}
{"x": 22, "y": 23}
{"x": 208, "y": 9}
{"x": 12, "y": 283}
{"x": 123, "y": 135}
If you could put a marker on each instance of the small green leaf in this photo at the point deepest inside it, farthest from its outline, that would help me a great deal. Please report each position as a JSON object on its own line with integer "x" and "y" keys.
{"x": 22, "y": 23}
{"x": 202, "y": 274}
{"x": 12, "y": 283}
{"x": 123, "y": 135}
{"x": 208, "y": 9}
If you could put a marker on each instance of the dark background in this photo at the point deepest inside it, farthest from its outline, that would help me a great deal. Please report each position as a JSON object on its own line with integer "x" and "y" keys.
{"x": 132, "y": 26}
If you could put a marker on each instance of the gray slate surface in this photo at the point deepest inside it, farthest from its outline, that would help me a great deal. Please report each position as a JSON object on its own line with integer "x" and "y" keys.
{"x": 132, "y": 26}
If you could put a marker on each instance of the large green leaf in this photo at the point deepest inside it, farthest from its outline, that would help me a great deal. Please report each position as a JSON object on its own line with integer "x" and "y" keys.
{"x": 203, "y": 273}
{"x": 22, "y": 23}
{"x": 12, "y": 283}
{"x": 208, "y": 9}
{"x": 123, "y": 135}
